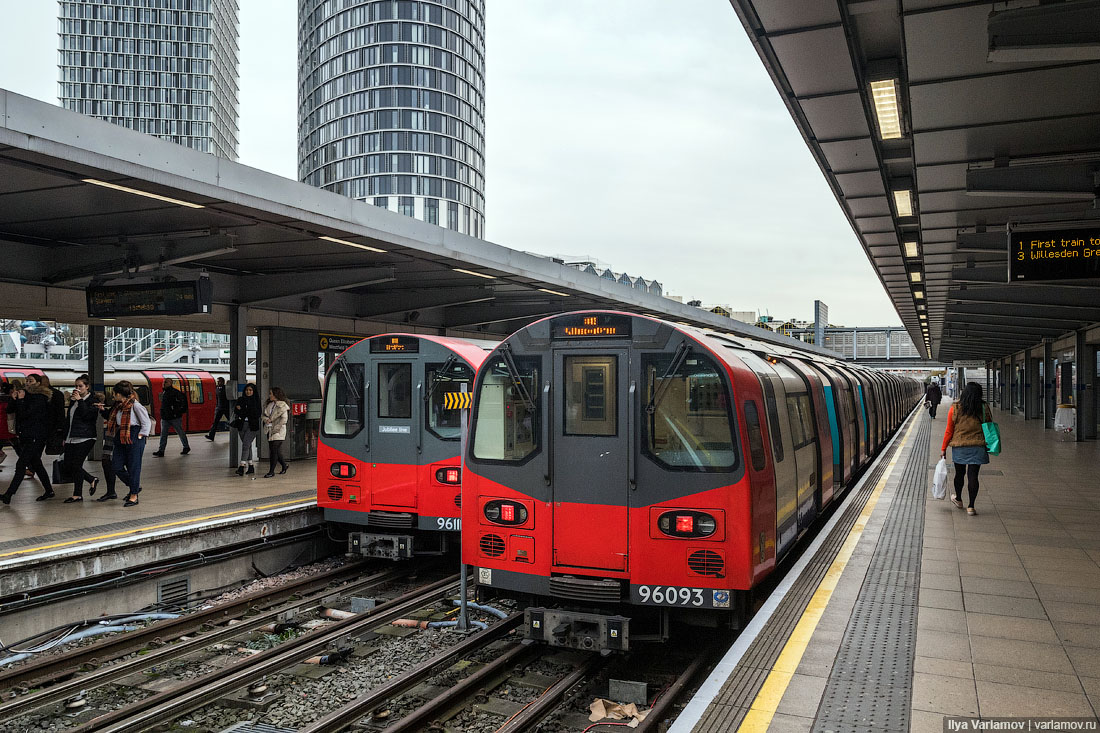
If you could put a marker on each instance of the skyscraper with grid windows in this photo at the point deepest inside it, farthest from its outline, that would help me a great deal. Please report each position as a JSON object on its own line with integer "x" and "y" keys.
{"x": 164, "y": 67}
{"x": 391, "y": 105}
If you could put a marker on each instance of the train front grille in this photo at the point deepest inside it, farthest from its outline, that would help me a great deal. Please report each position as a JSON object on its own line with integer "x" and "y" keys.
{"x": 585, "y": 589}
{"x": 393, "y": 520}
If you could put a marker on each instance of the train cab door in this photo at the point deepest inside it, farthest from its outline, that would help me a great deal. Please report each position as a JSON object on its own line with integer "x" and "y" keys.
{"x": 395, "y": 422}
{"x": 199, "y": 389}
{"x": 589, "y": 449}
{"x": 156, "y": 388}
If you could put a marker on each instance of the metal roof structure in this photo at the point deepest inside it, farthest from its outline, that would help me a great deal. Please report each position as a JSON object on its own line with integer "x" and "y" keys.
{"x": 82, "y": 199}
{"x": 937, "y": 124}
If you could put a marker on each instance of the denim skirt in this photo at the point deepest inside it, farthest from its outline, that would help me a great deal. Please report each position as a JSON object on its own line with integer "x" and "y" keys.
{"x": 970, "y": 455}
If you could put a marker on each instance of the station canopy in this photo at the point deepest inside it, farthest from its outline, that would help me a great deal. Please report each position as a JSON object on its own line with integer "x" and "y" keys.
{"x": 938, "y": 126}
{"x": 85, "y": 201}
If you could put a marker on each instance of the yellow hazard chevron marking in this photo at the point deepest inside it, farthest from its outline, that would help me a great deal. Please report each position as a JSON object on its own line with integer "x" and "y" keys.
{"x": 456, "y": 400}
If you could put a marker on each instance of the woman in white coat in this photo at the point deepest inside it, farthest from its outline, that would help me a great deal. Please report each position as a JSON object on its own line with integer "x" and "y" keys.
{"x": 275, "y": 416}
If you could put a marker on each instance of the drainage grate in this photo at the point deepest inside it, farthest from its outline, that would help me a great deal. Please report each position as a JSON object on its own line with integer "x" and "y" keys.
{"x": 174, "y": 591}
{"x": 870, "y": 686}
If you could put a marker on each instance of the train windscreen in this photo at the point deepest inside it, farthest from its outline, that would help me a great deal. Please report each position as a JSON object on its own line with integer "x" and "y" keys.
{"x": 507, "y": 410}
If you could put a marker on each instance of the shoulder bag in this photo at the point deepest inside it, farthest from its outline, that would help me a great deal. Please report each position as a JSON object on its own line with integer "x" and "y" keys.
{"x": 992, "y": 434}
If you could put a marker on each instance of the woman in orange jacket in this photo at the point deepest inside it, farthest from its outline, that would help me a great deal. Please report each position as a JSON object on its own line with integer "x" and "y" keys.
{"x": 967, "y": 440}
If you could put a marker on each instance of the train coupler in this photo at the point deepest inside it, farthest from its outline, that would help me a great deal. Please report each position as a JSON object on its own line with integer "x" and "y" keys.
{"x": 585, "y": 631}
{"x": 381, "y": 546}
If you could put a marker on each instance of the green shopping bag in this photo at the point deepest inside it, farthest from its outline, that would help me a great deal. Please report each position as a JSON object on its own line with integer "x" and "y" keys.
{"x": 992, "y": 437}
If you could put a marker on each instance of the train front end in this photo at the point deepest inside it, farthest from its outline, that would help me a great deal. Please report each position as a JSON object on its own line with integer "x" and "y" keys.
{"x": 388, "y": 465}
{"x": 604, "y": 480}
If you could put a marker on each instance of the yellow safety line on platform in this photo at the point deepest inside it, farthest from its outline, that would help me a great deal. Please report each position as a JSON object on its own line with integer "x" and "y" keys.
{"x": 151, "y": 528}
{"x": 775, "y": 685}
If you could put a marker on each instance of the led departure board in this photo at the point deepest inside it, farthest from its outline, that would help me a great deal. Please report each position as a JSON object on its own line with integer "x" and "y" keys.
{"x": 590, "y": 326}
{"x": 395, "y": 345}
{"x": 1064, "y": 254}
{"x": 150, "y": 299}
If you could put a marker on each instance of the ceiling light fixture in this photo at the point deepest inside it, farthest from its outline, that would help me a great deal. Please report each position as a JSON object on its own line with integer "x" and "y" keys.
{"x": 887, "y": 112}
{"x": 146, "y": 194}
{"x": 352, "y": 244}
{"x": 903, "y": 202}
{"x": 475, "y": 274}
{"x": 918, "y": 294}
{"x": 553, "y": 292}
{"x": 915, "y": 276}
{"x": 912, "y": 250}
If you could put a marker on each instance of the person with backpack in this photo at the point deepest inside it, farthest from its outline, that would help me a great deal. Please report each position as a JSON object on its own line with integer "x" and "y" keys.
{"x": 173, "y": 408}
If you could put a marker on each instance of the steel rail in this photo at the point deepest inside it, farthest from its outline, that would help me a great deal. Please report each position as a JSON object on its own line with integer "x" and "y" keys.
{"x": 117, "y": 646}
{"x": 542, "y": 705}
{"x": 353, "y": 711}
{"x": 420, "y": 718}
{"x": 62, "y": 690}
{"x": 165, "y": 706}
{"x": 668, "y": 698}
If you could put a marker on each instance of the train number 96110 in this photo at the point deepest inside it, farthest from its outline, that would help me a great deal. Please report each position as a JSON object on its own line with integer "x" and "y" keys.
{"x": 674, "y": 595}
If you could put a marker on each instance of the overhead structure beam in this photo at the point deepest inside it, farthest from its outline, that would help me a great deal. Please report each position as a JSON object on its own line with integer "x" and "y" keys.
{"x": 1064, "y": 314}
{"x": 1049, "y": 32}
{"x": 1027, "y": 295}
{"x": 259, "y": 288}
{"x": 1072, "y": 180}
{"x": 421, "y": 299}
{"x": 466, "y": 316}
{"x": 99, "y": 260}
{"x": 980, "y": 242}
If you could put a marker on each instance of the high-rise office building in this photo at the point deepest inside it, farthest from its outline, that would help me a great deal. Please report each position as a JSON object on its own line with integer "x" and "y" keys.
{"x": 164, "y": 67}
{"x": 391, "y": 105}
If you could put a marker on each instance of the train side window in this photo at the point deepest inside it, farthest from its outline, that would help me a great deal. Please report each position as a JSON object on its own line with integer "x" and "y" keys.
{"x": 590, "y": 391}
{"x": 145, "y": 397}
{"x": 756, "y": 436}
{"x": 343, "y": 411}
{"x": 686, "y": 419}
{"x": 395, "y": 391}
{"x": 444, "y": 422}
{"x": 194, "y": 388}
{"x": 809, "y": 430}
{"x": 507, "y": 410}
{"x": 773, "y": 420}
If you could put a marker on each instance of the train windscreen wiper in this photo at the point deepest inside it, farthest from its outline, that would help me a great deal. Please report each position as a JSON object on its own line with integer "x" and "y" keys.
{"x": 350, "y": 381}
{"x": 513, "y": 373}
{"x": 677, "y": 361}
{"x": 438, "y": 377}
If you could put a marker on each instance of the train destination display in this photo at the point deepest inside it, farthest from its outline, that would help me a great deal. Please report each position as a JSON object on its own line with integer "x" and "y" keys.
{"x": 602, "y": 325}
{"x": 1066, "y": 254}
{"x": 395, "y": 345}
{"x": 180, "y": 298}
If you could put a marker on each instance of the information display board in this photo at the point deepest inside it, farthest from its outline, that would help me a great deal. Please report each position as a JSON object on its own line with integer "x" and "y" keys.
{"x": 395, "y": 345}
{"x": 590, "y": 326}
{"x": 150, "y": 299}
{"x": 1062, "y": 254}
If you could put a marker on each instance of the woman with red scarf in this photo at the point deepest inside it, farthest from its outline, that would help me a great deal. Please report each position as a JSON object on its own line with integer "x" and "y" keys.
{"x": 129, "y": 423}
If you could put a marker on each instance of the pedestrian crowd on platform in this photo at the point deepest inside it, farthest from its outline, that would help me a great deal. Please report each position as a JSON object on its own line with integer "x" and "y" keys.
{"x": 36, "y": 420}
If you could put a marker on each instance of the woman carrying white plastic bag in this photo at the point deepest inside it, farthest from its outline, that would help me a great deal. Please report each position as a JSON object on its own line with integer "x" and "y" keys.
{"x": 939, "y": 480}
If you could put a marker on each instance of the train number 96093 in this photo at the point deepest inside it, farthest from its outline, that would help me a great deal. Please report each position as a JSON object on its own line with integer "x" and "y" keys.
{"x": 674, "y": 595}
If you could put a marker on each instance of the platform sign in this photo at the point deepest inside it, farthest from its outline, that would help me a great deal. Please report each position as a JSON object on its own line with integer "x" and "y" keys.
{"x": 1055, "y": 254}
{"x": 180, "y": 298}
{"x": 968, "y": 364}
{"x": 336, "y": 342}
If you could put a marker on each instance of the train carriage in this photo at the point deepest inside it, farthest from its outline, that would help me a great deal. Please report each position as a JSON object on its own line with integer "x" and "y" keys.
{"x": 621, "y": 469}
{"x": 388, "y": 458}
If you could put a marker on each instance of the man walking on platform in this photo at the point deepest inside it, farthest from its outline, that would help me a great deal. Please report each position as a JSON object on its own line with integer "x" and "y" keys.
{"x": 222, "y": 409}
{"x": 173, "y": 408}
{"x": 933, "y": 396}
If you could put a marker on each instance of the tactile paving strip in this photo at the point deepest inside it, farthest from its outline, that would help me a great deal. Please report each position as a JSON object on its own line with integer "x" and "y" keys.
{"x": 731, "y": 704}
{"x": 870, "y": 687}
{"x": 75, "y": 534}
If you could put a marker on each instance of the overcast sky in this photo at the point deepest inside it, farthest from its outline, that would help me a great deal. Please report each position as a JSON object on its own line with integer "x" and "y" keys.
{"x": 649, "y": 139}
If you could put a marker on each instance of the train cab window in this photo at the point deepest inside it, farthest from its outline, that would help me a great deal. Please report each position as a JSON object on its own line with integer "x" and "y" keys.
{"x": 145, "y": 397}
{"x": 443, "y": 419}
{"x": 194, "y": 388}
{"x": 343, "y": 412}
{"x": 395, "y": 391}
{"x": 507, "y": 417}
{"x": 686, "y": 417}
{"x": 756, "y": 436}
{"x": 590, "y": 392}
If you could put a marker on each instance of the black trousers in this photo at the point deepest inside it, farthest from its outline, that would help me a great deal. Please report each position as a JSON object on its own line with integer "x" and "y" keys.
{"x": 74, "y": 457}
{"x": 219, "y": 413}
{"x": 970, "y": 471}
{"x": 932, "y": 405}
{"x": 30, "y": 456}
{"x": 274, "y": 453}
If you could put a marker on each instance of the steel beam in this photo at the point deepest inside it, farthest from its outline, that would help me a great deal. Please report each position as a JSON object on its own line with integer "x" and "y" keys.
{"x": 259, "y": 288}
{"x": 82, "y": 263}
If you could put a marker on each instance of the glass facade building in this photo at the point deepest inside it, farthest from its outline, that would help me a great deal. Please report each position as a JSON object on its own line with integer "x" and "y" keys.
{"x": 164, "y": 67}
{"x": 391, "y": 105}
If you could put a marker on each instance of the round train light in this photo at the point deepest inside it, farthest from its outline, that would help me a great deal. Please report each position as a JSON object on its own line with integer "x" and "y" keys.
{"x": 686, "y": 523}
{"x": 505, "y": 512}
{"x": 449, "y": 476}
{"x": 342, "y": 470}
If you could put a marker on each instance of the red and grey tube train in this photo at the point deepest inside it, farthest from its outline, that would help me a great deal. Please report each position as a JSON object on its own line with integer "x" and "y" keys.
{"x": 621, "y": 469}
{"x": 388, "y": 460}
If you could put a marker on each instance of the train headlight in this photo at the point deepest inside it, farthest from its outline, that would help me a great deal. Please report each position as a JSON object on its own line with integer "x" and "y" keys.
{"x": 505, "y": 512}
{"x": 342, "y": 470}
{"x": 686, "y": 523}
{"x": 449, "y": 476}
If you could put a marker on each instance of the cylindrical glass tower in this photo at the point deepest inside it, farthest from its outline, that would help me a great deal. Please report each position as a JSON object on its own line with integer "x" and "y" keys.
{"x": 391, "y": 105}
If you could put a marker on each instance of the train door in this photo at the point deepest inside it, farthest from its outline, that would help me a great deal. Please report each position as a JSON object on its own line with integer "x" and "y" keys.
{"x": 199, "y": 389}
{"x": 156, "y": 387}
{"x": 438, "y": 491}
{"x": 799, "y": 413}
{"x": 820, "y": 423}
{"x": 394, "y": 452}
{"x": 589, "y": 458}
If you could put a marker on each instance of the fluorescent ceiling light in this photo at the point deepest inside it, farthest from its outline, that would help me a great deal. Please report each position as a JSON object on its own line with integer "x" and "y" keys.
{"x": 903, "y": 202}
{"x": 885, "y": 96}
{"x": 553, "y": 292}
{"x": 918, "y": 294}
{"x": 914, "y": 276}
{"x": 912, "y": 250}
{"x": 146, "y": 194}
{"x": 475, "y": 274}
{"x": 920, "y": 306}
{"x": 352, "y": 244}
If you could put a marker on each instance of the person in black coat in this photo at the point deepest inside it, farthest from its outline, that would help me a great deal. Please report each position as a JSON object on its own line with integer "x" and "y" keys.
{"x": 221, "y": 409}
{"x": 246, "y": 411}
{"x": 933, "y": 396}
{"x": 83, "y": 418}
{"x": 34, "y": 418}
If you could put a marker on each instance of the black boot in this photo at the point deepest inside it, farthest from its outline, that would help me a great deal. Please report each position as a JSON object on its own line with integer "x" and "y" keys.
{"x": 285, "y": 466}
{"x": 251, "y": 469}
{"x": 240, "y": 470}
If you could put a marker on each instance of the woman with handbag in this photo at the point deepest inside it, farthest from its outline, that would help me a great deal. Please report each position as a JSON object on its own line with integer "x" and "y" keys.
{"x": 276, "y": 414}
{"x": 967, "y": 439}
{"x": 247, "y": 422}
{"x": 83, "y": 419}
{"x": 35, "y": 424}
{"x": 129, "y": 423}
